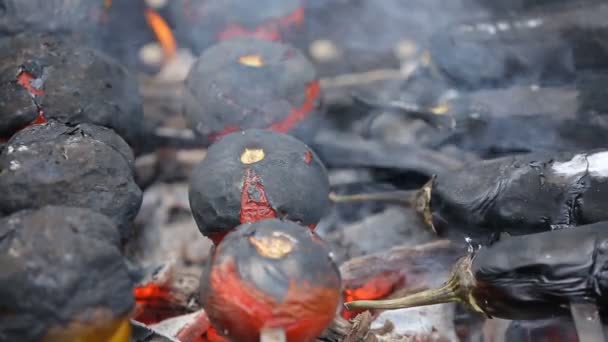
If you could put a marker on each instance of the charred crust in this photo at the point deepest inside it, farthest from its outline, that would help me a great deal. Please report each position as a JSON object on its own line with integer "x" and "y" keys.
{"x": 223, "y": 94}
{"x": 74, "y": 79}
{"x": 291, "y": 188}
{"x": 60, "y": 265}
{"x": 83, "y": 166}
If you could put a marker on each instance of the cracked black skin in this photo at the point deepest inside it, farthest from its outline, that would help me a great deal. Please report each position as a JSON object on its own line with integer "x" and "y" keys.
{"x": 547, "y": 272}
{"x": 517, "y": 195}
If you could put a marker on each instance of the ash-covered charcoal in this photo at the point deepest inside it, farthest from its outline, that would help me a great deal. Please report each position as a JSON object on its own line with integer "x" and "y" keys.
{"x": 271, "y": 274}
{"x": 48, "y": 15}
{"x": 250, "y": 83}
{"x": 547, "y": 46}
{"x": 517, "y": 195}
{"x": 68, "y": 82}
{"x": 527, "y": 277}
{"x": 254, "y": 175}
{"x": 63, "y": 277}
{"x": 83, "y": 166}
{"x": 202, "y": 23}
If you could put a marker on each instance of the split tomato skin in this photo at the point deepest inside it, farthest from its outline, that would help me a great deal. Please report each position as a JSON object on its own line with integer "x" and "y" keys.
{"x": 257, "y": 174}
{"x": 271, "y": 274}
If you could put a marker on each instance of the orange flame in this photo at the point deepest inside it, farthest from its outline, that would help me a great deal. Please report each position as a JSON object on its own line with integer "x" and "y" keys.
{"x": 153, "y": 303}
{"x": 255, "y": 61}
{"x": 378, "y": 287}
{"x": 163, "y": 33}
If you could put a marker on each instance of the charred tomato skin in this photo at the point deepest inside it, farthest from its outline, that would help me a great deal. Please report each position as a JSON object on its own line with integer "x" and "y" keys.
{"x": 536, "y": 276}
{"x": 75, "y": 84}
{"x": 202, "y": 23}
{"x": 267, "y": 274}
{"x": 252, "y": 84}
{"x": 257, "y": 174}
{"x": 83, "y": 166}
{"x": 60, "y": 265}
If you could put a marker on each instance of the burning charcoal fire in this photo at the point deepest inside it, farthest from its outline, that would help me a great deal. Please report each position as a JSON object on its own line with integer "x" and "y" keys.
{"x": 544, "y": 47}
{"x": 83, "y": 166}
{"x": 525, "y": 277}
{"x": 47, "y": 15}
{"x": 63, "y": 277}
{"x": 203, "y": 23}
{"x": 517, "y": 195}
{"x": 69, "y": 83}
{"x": 254, "y": 175}
{"x": 271, "y": 274}
{"x": 248, "y": 83}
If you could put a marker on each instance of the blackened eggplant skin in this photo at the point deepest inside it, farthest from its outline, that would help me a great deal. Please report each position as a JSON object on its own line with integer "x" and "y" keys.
{"x": 255, "y": 174}
{"x": 529, "y": 277}
{"x": 83, "y": 166}
{"x": 76, "y": 84}
{"x": 543, "y": 47}
{"x": 520, "y": 194}
{"x": 538, "y": 275}
{"x": 59, "y": 265}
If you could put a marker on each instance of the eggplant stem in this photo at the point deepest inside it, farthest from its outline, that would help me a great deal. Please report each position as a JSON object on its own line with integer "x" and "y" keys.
{"x": 457, "y": 288}
{"x": 403, "y": 197}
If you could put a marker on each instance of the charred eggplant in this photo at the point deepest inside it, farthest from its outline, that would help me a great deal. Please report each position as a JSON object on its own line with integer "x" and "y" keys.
{"x": 517, "y": 195}
{"x": 524, "y": 277}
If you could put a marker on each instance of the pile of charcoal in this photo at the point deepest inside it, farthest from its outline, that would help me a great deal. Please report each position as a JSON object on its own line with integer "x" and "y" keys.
{"x": 213, "y": 171}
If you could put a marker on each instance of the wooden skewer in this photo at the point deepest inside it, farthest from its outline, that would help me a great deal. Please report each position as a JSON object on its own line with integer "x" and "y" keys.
{"x": 273, "y": 335}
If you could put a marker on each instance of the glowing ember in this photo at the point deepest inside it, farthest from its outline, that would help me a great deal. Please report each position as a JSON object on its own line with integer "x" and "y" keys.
{"x": 378, "y": 287}
{"x": 308, "y": 157}
{"x": 255, "y": 61}
{"x": 254, "y": 203}
{"x": 299, "y": 114}
{"x": 440, "y": 109}
{"x": 163, "y": 33}
{"x": 270, "y": 30}
{"x": 154, "y": 303}
{"x": 25, "y": 79}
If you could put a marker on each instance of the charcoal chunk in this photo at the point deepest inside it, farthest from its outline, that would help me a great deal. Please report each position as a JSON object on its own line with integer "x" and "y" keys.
{"x": 82, "y": 166}
{"x": 72, "y": 83}
{"x": 60, "y": 265}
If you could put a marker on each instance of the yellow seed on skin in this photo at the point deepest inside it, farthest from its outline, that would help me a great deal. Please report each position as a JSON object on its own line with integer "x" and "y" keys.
{"x": 273, "y": 247}
{"x": 254, "y": 61}
{"x": 440, "y": 109}
{"x": 250, "y": 156}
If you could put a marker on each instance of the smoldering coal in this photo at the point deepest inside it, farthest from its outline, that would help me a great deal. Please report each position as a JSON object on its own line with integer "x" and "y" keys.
{"x": 59, "y": 263}
{"x": 83, "y": 166}
{"x": 76, "y": 84}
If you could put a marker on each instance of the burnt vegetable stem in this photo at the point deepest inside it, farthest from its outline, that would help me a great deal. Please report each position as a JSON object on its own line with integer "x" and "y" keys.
{"x": 458, "y": 288}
